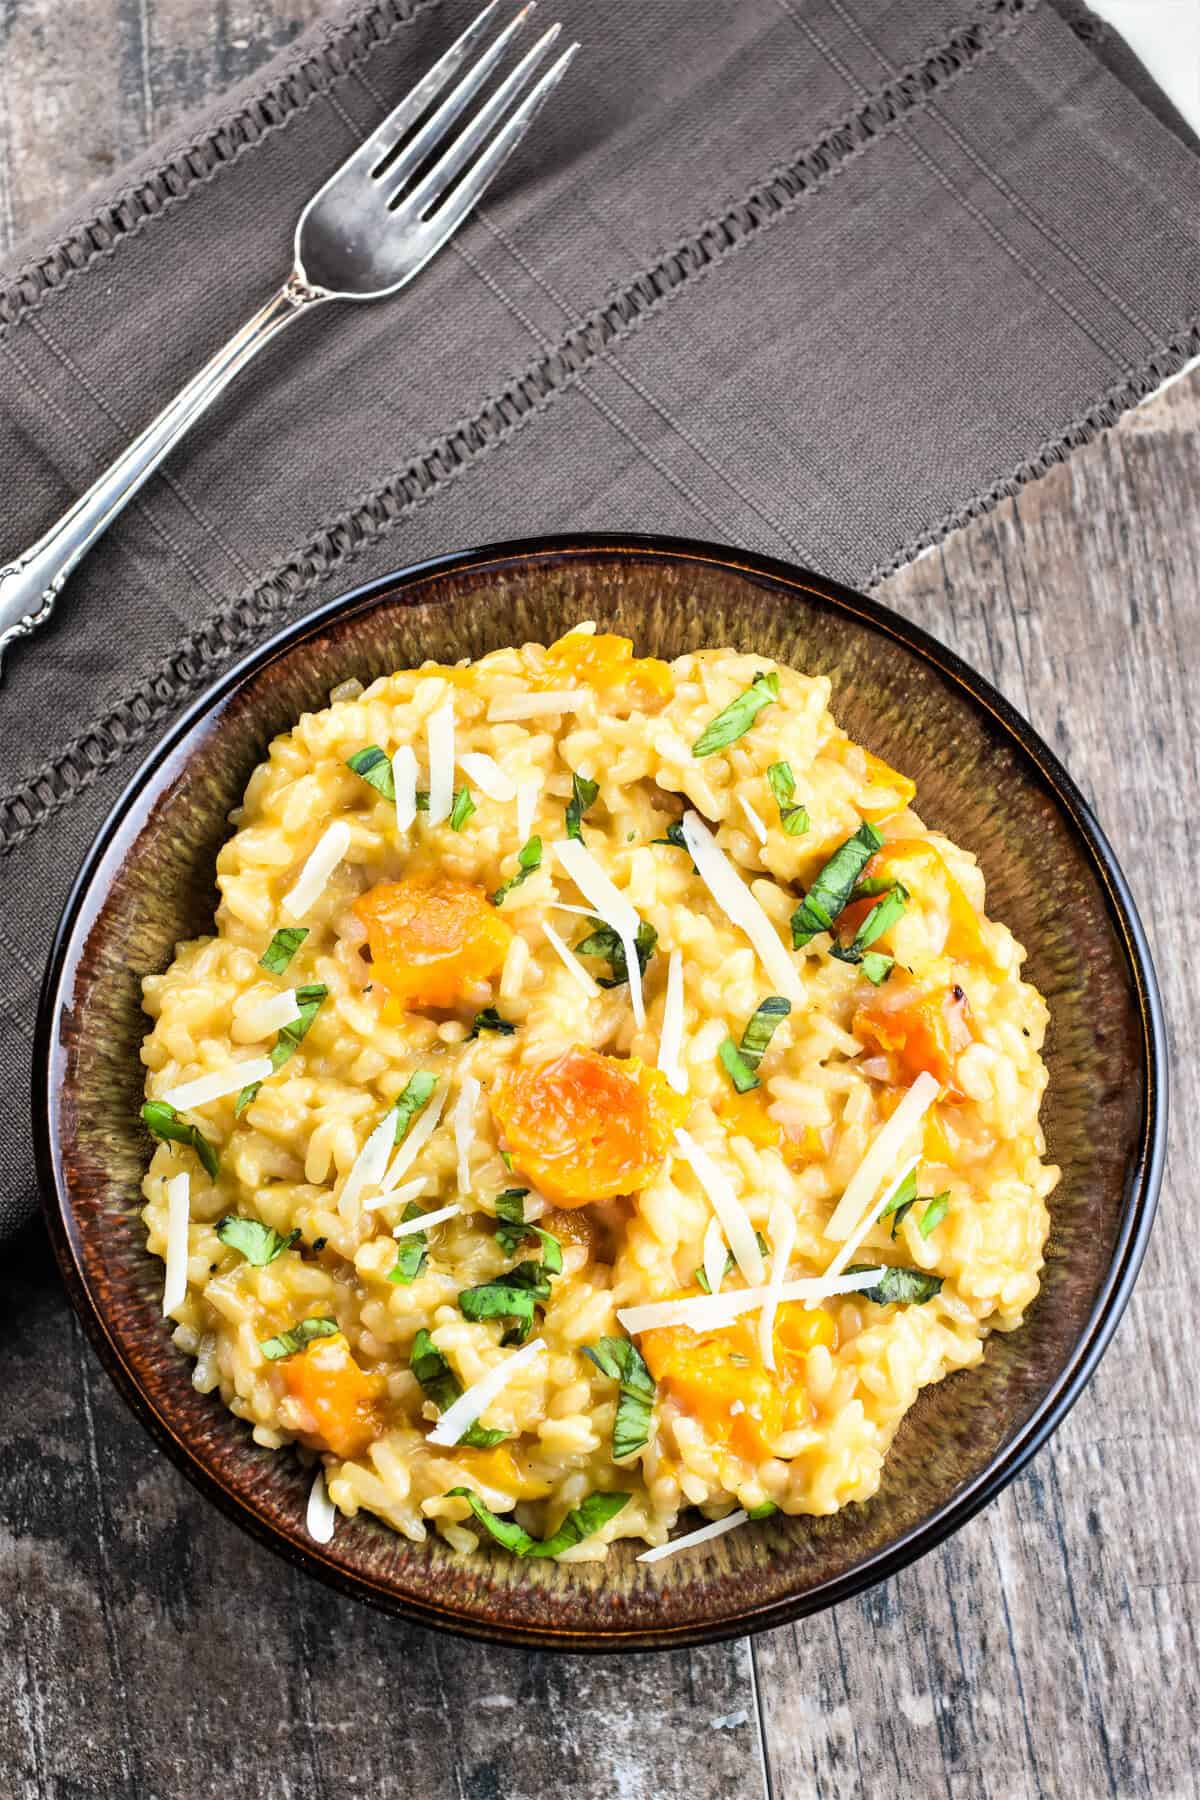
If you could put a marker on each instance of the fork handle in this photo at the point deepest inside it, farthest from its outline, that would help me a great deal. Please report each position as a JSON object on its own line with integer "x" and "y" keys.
{"x": 29, "y": 586}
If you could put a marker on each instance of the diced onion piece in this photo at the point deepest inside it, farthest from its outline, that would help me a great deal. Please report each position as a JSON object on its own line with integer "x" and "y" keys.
{"x": 439, "y": 734}
{"x": 475, "y": 1399}
{"x": 670, "y": 1041}
{"x": 528, "y": 794}
{"x": 366, "y": 1171}
{"x": 408, "y": 1226}
{"x": 179, "y": 1201}
{"x": 716, "y": 1529}
{"x": 782, "y": 1230}
{"x": 700, "y": 1312}
{"x": 229, "y": 1080}
{"x": 739, "y": 905}
{"x": 611, "y": 905}
{"x": 752, "y": 819}
{"x": 321, "y": 1516}
{"x": 487, "y": 775}
{"x": 735, "y": 1221}
{"x": 536, "y": 706}
{"x": 261, "y": 1016}
{"x": 408, "y": 1190}
{"x": 464, "y": 1129}
{"x": 570, "y": 960}
{"x": 868, "y": 1219}
{"x": 404, "y": 780}
{"x": 882, "y": 1157}
{"x": 418, "y": 1136}
{"x": 714, "y": 1255}
{"x": 323, "y": 859}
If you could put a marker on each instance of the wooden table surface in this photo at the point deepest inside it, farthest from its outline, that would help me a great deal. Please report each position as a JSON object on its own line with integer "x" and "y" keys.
{"x": 1050, "y": 1649}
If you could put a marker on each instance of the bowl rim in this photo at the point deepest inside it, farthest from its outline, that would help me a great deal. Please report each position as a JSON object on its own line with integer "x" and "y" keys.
{"x": 1143, "y": 1181}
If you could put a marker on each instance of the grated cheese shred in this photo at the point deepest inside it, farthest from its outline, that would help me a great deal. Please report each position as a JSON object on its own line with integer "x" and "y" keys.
{"x": 717, "y": 1528}
{"x": 487, "y": 775}
{"x": 670, "y": 1041}
{"x": 733, "y": 1217}
{"x": 179, "y": 1201}
{"x": 881, "y": 1157}
{"x": 610, "y": 905}
{"x": 404, "y": 780}
{"x": 321, "y": 1516}
{"x": 439, "y": 734}
{"x": 323, "y": 859}
{"x": 740, "y": 906}
{"x": 229, "y": 1080}
{"x": 569, "y": 960}
{"x": 475, "y": 1399}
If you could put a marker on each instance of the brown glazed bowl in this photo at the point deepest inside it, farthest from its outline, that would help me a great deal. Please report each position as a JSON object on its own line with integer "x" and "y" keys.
{"x": 984, "y": 778}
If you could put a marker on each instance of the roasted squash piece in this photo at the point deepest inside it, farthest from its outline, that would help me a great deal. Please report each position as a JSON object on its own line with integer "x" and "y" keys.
{"x": 608, "y": 664}
{"x": 918, "y": 1029}
{"x": 432, "y": 938}
{"x": 342, "y": 1399}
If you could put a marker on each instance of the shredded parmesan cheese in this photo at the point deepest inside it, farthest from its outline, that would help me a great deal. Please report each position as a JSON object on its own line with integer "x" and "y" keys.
{"x": 702, "y": 1313}
{"x": 718, "y": 1528}
{"x": 430, "y": 1218}
{"x": 528, "y": 794}
{"x": 670, "y": 1041}
{"x": 464, "y": 1129}
{"x": 418, "y": 1136}
{"x": 783, "y": 1241}
{"x": 229, "y": 1080}
{"x": 408, "y": 1190}
{"x": 882, "y": 1157}
{"x": 735, "y": 1221}
{"x": 739, "y": 905}
{"x": 868, "y": 1220}
{"x": 752, "y": 819}
{"x": 714, "y": 1255}
{"x": 439, "y": 736}
{"x": 487, "y": 775}
{"x": 570, "y": 960}
{"x": 179, "y": 1200}
{"x": 259, "y": 1015}
{"x": 321, "y": 1516}
{"x": 536, "y": 706}
{"x": 611, "y": 906}
{"x": 473, "y": 1400}
{"x": 404, "y": 780}
{"x": 323, "y": 859}
{"x": 366, "y": 1171}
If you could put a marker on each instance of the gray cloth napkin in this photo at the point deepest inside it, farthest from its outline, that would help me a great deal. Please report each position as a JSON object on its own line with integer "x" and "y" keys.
{"x": 824, "y": 278}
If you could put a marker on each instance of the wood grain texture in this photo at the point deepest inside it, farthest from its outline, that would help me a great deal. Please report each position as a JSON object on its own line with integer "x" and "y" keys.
{"x": 1048, "y": 1650}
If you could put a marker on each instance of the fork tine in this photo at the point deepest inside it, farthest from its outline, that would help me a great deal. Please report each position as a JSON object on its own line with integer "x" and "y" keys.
{"x": 426, "y": 194}
{"x": 435, "y": 128}
{"x": 450, "y": 216}
{"x": 372, "y": 149}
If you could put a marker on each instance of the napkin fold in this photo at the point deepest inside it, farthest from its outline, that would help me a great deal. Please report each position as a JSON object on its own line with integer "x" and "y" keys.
{"x": 824, "y": 278}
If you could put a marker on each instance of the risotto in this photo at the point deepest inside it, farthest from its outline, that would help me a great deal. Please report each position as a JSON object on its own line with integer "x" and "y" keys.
{"x": 601, "y": 1097}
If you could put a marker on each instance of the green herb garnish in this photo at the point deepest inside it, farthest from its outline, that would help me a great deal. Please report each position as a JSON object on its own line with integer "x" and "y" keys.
{"x": 260, "y": 1244}
{"x": 514, "y": 1230}
{"x": 900, "y": 1201}
{"x": 309, "y": 1000}
{"x": 673, "y": 836}
{"x": 462, "y": 809}
{"x": 583, "y": 795}
{"x": 422, "y": 799}
{"x": 162, "y": 1121}
{"x": 282, "y": 947}
{"x": 934, "y": 1213}
{"x": 736, "y": 1067}
{"x": 735, "y": 720}
{"x": 604, "y": 942}
{"x": 830, "y": 892}
{"x": 412, "y": 1251}
{"x": 898, "y": 1287}
{"x": 741, "y": 1060}
{"x": 782, "y": 783}
{"x": 877, "y": 967}
{"x": 489, "y": 1020}
{"x": 514, "y": 1295}
{"x": 288, "y": 1342}
{"x": 529, "y": 858}
{"x": 762, "y": 1512}
{"x": 881, "y": 918}
{"x": 586, "y": 1519}
{"x": 439, "y": 1383}
{"x": 622, "y": 1361}
{"x": 418, "y": 1091}
{"x": 375, "y": 767}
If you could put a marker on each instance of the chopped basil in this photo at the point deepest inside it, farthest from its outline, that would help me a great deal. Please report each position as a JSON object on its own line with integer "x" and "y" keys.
{"x": 622, "y": 1361}
{"x": 736, "y": 1067}
{"x": 282, "y": 947}
{"x": 374, "y": 766}
{"x": 881, "y": 918}
{"x": 418, "y": 1091}
{"x": 782, "y": 783}
{"x": 513, "y": 1295}
{"x": 513, "y": 1230}
{"x": 583, "y": 795}
{"x": 877, "y": 967}
{"x": 507, "y": 1160}
{"x": 899, "y": 1202}
{"x": 422, "y": 799}
{"x": 872, "y": 887}
{"x": 412, "y": 1251}
{"x": 260, "y": 1244}
{"x": 439, "y": 1383}
{"x": 604, "y": 942}
{"x": 288, "y": 1342}
{"x": 489, "y": 1020}
{"x": 831, "y": 890}
{"x": 673, "y": 836}
{"x": 529, "y": 858}
{"x": 735, "y": 720}
{"x": 319, "y": 1243}
{"x": 762, "y": 1512}
{"x": 587, "y": 1518}
{"x": 934, "y": 1213}
{"x": 898, "y": 1287}
{"x": 462, "y": 809}
{"x": 762, "y": 1026}
{"x": 162, "y": 1121}
{"x": 309, "y": 1000}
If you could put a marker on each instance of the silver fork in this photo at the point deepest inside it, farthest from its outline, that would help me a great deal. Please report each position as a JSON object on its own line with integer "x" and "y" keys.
{"x": 366, "y": 233}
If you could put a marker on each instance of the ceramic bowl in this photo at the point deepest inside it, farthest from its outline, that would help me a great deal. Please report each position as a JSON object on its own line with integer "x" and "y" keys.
{"x": 983, "y": 777}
